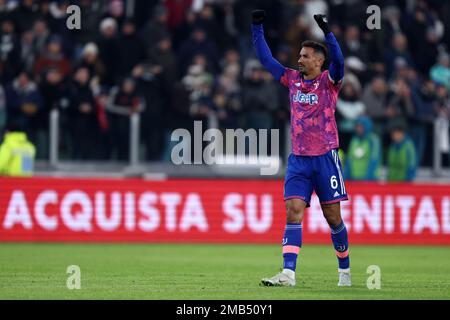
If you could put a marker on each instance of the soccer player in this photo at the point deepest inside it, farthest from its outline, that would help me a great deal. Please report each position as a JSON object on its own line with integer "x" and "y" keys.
{"x": 314, "y": 163}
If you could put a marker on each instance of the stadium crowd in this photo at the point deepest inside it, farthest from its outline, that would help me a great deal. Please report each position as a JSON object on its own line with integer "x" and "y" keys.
{"x": 176, "y": 61}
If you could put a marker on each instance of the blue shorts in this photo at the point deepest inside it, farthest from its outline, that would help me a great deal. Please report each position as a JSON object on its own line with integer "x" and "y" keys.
{"x": 323, "y": 174}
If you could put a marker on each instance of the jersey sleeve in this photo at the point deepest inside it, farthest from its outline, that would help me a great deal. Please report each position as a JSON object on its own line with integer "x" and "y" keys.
{"x": 336, "y": 69}
{"x": 288, "y": 75}
{"x": 333, "y": 85}
{"x": 263, "y": 52}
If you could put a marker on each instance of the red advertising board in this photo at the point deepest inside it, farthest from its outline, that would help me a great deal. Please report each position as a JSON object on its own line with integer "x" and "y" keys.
{"x": 212, "y": 211}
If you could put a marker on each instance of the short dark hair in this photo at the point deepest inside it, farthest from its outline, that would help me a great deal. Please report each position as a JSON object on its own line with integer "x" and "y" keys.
{"x": 317, "y": 46}
{"x": 398, "y": 125}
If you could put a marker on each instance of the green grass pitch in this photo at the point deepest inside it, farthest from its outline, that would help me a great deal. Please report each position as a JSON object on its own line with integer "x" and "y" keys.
{"x": 188, "y": 271}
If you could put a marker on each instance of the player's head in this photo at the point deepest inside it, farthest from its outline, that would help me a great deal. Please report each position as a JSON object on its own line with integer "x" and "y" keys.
{"x": 398, "y": 131}
{"x": 363, "y": 126}
{"x": 312, "y": 57}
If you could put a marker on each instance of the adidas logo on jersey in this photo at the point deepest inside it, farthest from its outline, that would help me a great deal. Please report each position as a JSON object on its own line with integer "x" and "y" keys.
{"x": 336, "y": 194}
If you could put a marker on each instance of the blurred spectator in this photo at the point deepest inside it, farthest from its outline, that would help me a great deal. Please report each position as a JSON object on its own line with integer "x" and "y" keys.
{"x": 259, "y": 97}
{"x": 130, "y": 51}
{"x": 10, "y": 63}
{"x": 58, "y": 12}
{"x": 176, "y": 116}
{"x": 54, "y": 94}
{"x": 176, "y": 12}
{"x": 91, "y": 13}
{"x": 54, "y": 91}
{"x": 397, "y": 50}
{"x": 162, "y": 55}
{"x": 352, "y": 45}
{"x": 229, "y": 24}
{"x": 27, "y": 50}
{"x": 183, "y": 31}
{"x": 399, "y": 101}
{"x": 5, "y": 9}
{"x": 141, "y": 11}
{"x": 440, "y": 72}
{"x": 107, "y": 45}
{"x": 401, "y": 159}
{"x": 116, "y": 10}
{"x": 53, "y": 57}
{"x": 16, "y": 153}
{"x": 424, "y": 99}
{"x": 44, "y": 10}
{"x": 156, "y": 28}
{"x": 363, "y": 160}
{"x": 348, "y": 108}
{"x": 103, "y": 148}
{"x": 123, "y": 101}
{"x": 83, "y": 124}
{"x": 199, "y": 43}
{"x": 151, "y": 84}
{"x": 24, "y": 101}
{"x": 210, "y": 23}
{"x": 390, "y": 25}
{"x": 374, "y": 98}
{"x": 199, "y": 84}
{"x": 41, "y": 34}
{"x": 424, "y": 31}
{"x": 230, "y": 57}
{"x": 228, "y": 97}
{"x": 442, "y": 105}
{"x": 442, "y": 121}
{"x": 357, "y": 68}
{"x": 91, "y": 60}
{"x": 25, "y": 14}
{"x": 405, "y": 72}
{"x": 157, "y": 78}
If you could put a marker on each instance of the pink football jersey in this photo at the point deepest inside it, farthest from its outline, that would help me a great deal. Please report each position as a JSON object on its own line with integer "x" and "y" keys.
{"x": 313, "y": 103}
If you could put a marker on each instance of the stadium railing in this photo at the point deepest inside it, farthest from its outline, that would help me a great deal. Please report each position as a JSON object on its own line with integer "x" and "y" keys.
{"x": 134, "y": 167}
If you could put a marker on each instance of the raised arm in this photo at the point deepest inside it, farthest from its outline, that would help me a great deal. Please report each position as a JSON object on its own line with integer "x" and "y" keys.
{"x": 262, "y": 49}
{"x": 336, "y": 68}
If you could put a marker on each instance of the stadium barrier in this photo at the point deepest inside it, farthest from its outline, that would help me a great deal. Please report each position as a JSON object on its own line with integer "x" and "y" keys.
{"x": 211, "y": 211}
{"x": 440, "y": 142}
{"x": 54, "y": 135}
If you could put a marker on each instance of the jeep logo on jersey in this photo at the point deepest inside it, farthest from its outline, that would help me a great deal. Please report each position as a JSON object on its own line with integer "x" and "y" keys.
{"x": 310, "y": 98}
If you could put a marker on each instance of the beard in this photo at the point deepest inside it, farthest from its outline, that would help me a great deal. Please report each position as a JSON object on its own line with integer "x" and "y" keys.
{"x": 303, "y": 71}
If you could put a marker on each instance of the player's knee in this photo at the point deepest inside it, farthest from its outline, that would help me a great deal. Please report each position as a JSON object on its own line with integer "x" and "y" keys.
{"x": 333, "y": 221}
{"x": 294, "y": 212}
{"x": 332, "y": 214}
